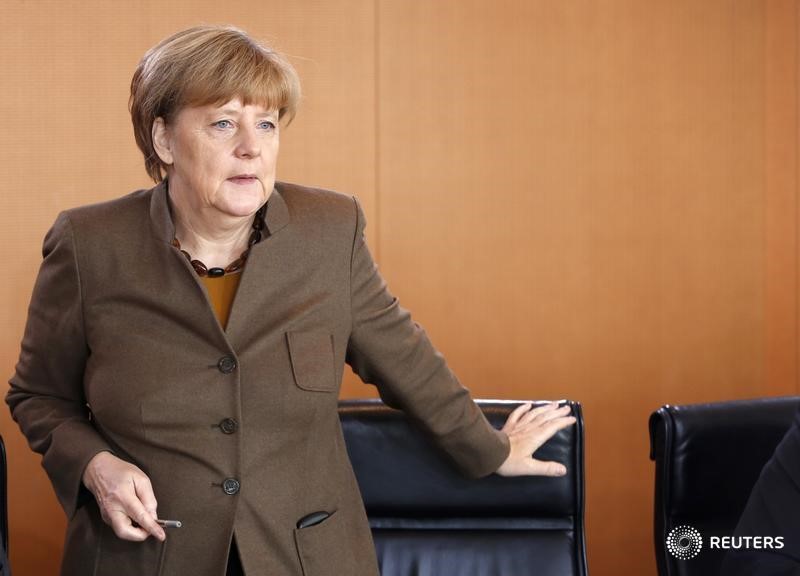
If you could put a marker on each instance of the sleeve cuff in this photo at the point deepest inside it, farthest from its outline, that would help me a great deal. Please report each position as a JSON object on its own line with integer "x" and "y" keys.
{"x": 479, "y": 451}
{"x": 74, "y": 444}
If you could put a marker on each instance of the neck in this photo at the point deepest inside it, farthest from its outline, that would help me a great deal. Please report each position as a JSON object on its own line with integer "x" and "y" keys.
{"x": 214, "y": 239}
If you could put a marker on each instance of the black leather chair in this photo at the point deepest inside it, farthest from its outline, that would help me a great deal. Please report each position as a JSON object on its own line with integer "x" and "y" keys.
{"x": 428, "y": 520}
{"x": 708, "y": 457}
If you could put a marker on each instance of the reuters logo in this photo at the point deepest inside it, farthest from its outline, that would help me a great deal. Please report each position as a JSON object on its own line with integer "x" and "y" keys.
{"x": 684, "y": 542}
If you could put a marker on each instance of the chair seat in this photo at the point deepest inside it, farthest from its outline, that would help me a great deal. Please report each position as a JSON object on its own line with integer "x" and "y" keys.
{"x": 475, "y": 552}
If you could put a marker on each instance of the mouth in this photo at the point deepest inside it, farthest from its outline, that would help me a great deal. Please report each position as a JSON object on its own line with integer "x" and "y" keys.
{"x": 243, "y": 179}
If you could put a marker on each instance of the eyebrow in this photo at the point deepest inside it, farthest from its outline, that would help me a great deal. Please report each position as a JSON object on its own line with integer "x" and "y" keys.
{"x": 236, "y": 111}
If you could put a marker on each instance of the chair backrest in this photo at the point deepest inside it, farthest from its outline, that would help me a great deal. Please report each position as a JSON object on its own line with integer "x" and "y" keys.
{"x": 708, "y": 457}
{"x": 428, "y": 520}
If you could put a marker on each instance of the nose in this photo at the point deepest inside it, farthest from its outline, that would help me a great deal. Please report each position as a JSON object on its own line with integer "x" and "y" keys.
{"x": 247, "y": 144}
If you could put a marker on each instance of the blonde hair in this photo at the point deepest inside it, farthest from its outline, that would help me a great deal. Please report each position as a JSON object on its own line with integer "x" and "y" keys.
{"x": 206, "y": 65}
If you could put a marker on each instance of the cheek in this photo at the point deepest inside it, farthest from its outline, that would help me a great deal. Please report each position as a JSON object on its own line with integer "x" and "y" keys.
{"x": 208, "y": 163}
{"x": 271, "y": 154}
{"x": 190, "y": 157}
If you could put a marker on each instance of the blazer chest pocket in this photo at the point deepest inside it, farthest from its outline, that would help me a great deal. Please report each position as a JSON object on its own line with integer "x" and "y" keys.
{"x": 313, "y": 366}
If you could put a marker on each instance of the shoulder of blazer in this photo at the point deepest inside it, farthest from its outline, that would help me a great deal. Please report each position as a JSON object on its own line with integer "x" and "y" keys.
{"x": 119, "y": 214}
{"x": 316, "y": 206}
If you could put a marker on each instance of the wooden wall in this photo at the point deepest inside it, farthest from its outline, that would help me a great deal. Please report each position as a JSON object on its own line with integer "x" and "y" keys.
{"x": 590, "y": 199}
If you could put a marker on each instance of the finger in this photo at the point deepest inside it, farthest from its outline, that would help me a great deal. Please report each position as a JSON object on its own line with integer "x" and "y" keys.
{"x": 144, "y": 518}
{"x": 517, "y": 413}
{"x": 147, "y": 507}
{"x": 138, "y": 521}
{"x": 546, "y": 430}
{"x": 541, "y": 468}
{"x": 557, "y": 424}
{"x": 123, "y": 526}
{"x": 558, "y": 412}
{"x": 544, "y": 418}
{"x": 144, "y": 491}
{"x": 539, "y": 412}
{"x": 555, "y": 411}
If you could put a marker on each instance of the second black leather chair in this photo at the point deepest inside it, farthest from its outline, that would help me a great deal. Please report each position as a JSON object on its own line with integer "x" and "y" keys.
{"x": 708, "y": 457}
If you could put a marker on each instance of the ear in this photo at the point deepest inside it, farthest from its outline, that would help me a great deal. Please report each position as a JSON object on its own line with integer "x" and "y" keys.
{"x": 161, "y": 141}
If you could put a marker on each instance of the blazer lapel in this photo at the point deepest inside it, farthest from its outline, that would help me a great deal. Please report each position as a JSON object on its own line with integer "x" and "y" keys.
{"x": 257, "y": 271}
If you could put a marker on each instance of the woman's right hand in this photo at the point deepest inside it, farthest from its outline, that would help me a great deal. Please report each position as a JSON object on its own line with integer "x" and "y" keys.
{"x": 125, "y": 497}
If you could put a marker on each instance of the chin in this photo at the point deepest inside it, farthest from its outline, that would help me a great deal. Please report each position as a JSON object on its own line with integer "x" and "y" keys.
{"x": 242, "y": 210}
{"x": 243, "y": 204}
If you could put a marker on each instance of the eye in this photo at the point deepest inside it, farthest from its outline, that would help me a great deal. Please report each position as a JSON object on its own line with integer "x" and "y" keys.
{"x": 266, "y": 125}
{"x": 223, "y": 124}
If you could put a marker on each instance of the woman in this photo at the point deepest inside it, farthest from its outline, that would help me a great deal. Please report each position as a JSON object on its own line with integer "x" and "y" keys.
{"x": 151, "y": 392}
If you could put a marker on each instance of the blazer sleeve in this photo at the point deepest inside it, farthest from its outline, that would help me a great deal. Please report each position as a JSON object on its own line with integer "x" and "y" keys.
{"x": 46, "y": 396}
{"x": 772, "y": 510}
{"x": 388, "y": 349}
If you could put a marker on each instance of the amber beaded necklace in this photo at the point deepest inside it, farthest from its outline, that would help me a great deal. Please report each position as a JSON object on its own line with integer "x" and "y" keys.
{"x": 236, "y": 265}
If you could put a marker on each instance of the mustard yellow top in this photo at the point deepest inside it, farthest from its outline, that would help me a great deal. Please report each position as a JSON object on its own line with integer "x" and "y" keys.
{"x": 221, "y": 291}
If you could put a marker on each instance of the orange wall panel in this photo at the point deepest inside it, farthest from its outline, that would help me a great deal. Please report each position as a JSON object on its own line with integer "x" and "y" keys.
{"x": 594, "y": 200}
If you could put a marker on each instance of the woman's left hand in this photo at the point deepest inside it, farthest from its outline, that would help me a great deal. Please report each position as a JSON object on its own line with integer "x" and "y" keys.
{"x": 527, "y": 429}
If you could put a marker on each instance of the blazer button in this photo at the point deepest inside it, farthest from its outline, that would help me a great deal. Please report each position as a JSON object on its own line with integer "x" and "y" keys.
{"x": 226, "y": 364}
{"x": 231, "y": 486}
{"x": 228, "y": 426}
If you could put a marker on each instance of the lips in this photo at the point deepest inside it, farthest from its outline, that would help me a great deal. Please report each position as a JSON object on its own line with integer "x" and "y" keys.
{"x": 243, "y": 179}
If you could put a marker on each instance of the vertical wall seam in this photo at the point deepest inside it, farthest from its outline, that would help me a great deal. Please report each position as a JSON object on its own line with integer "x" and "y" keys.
{"x": 377, "y": 130}
{"x": 796, "y": 84}
{"x": 766, "y": 383}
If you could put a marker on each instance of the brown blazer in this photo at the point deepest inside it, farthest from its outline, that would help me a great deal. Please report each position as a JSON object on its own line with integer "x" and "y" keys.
{"x": 238, "y": 429}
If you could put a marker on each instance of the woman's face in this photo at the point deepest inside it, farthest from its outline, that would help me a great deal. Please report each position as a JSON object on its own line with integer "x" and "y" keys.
{"x": 220, "y": 158}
